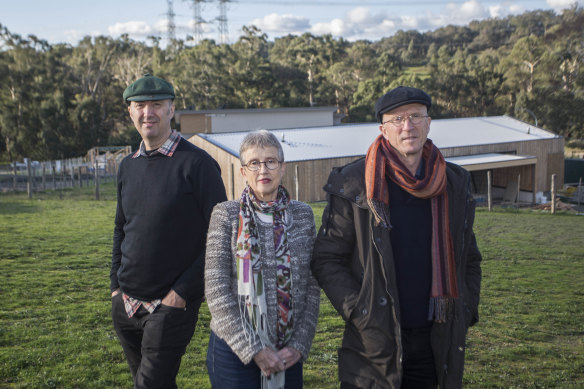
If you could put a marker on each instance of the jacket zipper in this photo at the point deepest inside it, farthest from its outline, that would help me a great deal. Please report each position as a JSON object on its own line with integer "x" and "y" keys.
{"x": 396, "y": 323}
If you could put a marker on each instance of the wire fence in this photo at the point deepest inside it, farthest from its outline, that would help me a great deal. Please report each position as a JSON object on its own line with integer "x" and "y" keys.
{"x": 100, "y": 164}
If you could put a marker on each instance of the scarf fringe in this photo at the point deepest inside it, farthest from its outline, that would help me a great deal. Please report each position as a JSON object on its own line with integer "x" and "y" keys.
{"x": 274, "y": 381}
{"x": 440, "y": 309}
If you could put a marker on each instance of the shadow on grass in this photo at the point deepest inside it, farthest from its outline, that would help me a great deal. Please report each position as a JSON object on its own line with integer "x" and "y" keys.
{"x": 14, "y": 208}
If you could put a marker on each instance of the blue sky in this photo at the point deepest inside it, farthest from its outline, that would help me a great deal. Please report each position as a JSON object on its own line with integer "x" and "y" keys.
{"x": 71, "y": 20}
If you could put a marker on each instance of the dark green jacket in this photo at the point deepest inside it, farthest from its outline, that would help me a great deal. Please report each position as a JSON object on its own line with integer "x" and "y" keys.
{"x": 353, "y": 263}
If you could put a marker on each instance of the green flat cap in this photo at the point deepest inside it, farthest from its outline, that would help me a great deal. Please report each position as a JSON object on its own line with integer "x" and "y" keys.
{"x": 147, "y": 88}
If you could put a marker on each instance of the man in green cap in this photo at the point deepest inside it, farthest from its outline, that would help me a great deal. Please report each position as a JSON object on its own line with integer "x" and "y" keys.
{"x": 166, "y": 192}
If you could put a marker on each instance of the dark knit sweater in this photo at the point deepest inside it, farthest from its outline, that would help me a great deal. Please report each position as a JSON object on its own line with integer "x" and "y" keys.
{"x": 411, "y": 238}
{"x": 163, "y": 213}
{"x": 411, "y": 241}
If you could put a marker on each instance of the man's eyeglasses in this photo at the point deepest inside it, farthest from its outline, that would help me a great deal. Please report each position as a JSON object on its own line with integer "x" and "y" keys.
{"x": 399, "y": 121}
{"x": 255, "y": 165}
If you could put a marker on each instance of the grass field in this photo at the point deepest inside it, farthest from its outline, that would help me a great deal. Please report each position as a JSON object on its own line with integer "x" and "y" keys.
{"x": 55, "y": 328}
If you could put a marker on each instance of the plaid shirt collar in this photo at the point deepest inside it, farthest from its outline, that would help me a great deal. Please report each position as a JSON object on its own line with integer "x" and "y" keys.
{"x": 168, "y": 147}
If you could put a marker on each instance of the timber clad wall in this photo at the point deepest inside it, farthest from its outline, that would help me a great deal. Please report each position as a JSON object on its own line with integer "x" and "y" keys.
{"x": 229, "y": 164}
{"x": 196, "y": 124}
{"x": 313, "y": 174}
{"x": 549, "y": 154}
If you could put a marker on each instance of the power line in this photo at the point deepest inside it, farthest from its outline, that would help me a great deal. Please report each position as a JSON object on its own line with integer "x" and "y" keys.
{"x": 171, "y": 27}
{"x": 222, "y": 19}
{"x": 198, "y": 21}
{"x": 328, "y": 3}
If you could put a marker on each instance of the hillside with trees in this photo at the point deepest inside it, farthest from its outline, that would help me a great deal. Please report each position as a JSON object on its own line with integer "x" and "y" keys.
{"x": 59, "y": 100}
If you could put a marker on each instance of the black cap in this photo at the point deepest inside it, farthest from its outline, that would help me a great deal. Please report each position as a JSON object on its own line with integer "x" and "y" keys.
{"x": 399, "y": 96}
{"x": 149, "y": 87}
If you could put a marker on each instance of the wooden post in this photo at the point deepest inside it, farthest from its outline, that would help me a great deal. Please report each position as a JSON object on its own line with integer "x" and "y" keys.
{"x": 96, "y": 168}
{"x": 79, "y": 176}
{"x": 34, "y": 172}
{"x": 28, "y": 181}
{"x": 533, "y": 185}
{"x": 63, "y": 176}
{"x": 518, "y": 187}
{"x": 44, "y": 182}
{"x": 54, "y": 174}
{"x": 490, "y": 189}
{"x": 14, "y": 175}
{"x": 296, "y": 181}
{"x": 579, "y": 193}
{"x": 553, "y": 193}
{"x": 72, "y": 173}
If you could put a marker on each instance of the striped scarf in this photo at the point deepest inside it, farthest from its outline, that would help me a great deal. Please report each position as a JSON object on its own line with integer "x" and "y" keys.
{"x": 383, "y": 162}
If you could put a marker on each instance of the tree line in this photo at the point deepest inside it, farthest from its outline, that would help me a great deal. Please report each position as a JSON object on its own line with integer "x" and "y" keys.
{"x": 59, "y": 100}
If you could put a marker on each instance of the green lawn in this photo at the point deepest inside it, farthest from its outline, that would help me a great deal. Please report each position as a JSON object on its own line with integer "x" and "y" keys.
{"x": 55, "y": 328}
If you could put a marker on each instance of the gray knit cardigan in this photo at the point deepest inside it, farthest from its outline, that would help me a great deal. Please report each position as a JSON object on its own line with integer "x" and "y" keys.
{"x": 221, "y": 279}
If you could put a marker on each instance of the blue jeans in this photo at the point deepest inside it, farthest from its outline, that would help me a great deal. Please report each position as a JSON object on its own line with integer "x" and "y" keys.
{"x": 226, "y": 371}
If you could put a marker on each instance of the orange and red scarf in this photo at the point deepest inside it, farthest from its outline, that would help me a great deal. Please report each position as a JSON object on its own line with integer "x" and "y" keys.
{"x": 382, "y": 162}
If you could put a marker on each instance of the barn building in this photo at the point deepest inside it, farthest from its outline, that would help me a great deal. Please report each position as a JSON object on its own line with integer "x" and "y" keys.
{"x": 516, "y": 154}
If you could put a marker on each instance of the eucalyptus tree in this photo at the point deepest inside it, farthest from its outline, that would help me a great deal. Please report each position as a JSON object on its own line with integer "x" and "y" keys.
{"x": 25, "y": 78}
{"x": 250, "y": 73}
{"x": 97, "y": 102}
{"x": 523, "y": 62}
{"x": 312, "y": 55}
{"x": 201, "y": 76}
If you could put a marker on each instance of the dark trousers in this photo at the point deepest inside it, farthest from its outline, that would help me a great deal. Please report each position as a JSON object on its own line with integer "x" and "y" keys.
{"x": 418, "y": 359}
{"x": 154, "y": 343}
{"x": 419, "y": 371}
{"x": 226, "y": 371}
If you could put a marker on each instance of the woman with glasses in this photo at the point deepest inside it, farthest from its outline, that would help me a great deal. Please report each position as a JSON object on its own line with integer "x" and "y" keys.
{"x": 260, "y": 291}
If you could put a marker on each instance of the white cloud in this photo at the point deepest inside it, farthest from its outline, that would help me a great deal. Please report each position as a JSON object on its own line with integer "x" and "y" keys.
{"x": 472, "y": 10}
{"x": 74, "y": 36}
{"x": 161, "y": 26}
{"x": 459, "y": 14}
{"x": 358, "y": 23}
{"x": 409, "y": 22}
{"x": 282, "y": 23}
{"x": 335, "y": 27}
{"x": 501, "y": 11}
{"x": 360, "y": 15}
{"x": 132, "y": 28}
{"x": 364, "y": 23}
{"x": 559, "y": 5}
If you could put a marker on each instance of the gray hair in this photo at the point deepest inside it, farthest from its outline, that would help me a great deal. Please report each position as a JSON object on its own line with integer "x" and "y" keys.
{"x": 263, "y": 139}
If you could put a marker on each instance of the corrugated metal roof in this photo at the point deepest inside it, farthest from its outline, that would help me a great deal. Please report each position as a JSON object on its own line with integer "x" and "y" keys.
{"x": 354, "y": 140}
{"x": 491, "y": 161}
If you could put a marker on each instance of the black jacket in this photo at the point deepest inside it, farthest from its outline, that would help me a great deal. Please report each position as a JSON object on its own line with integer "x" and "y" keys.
{"x": 353, "y": 263}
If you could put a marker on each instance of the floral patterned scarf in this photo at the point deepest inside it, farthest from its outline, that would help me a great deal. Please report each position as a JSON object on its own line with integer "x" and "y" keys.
{"x": 250, "y": 285}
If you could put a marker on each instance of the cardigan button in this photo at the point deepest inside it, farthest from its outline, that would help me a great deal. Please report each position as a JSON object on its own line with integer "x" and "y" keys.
{"x": 357, "y": 198}
{"x": 364, "y": 311}
{"x": 382, "y": 301}
{"x": 342, "y": 190}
